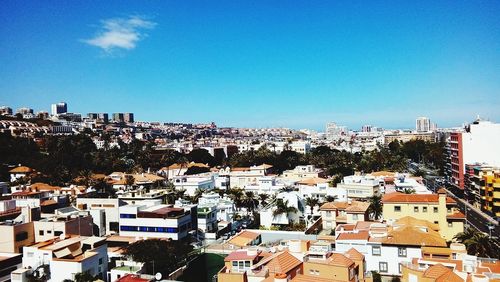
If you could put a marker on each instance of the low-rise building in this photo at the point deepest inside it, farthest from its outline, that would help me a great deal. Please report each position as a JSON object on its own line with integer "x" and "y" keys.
{"x": 361, "y": 186}
{"x": 301, "y": 172}
{"x": 435, "y": 208}
{"x": 349, "y": 212}
{"x": 15, "y": 235}
{"x": 66, "y": 257}
{"x": 110, "y": 207}
{"x": 159, "y": 221}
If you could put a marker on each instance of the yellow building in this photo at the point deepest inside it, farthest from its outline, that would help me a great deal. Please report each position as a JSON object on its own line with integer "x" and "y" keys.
{"x": 490, "y": 193}
{"x": 436, "y": 208}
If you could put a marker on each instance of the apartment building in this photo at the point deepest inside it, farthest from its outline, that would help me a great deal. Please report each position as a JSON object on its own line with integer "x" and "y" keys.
{"x": 66, "y": 257}
{"x": 191, "y": 183}
{"x": 450, "y": 264}
{"x": 436, "y": 208}
{"x": 348, "y": 212}
{"x": 225, "y": 206}
{"x": 301, "y": 172}
{"x": 477, "y": 143}
{"x": 110, "y": 207}
{"x": 207, "y": 221}
{"x": 386, "y": 247}
{"x": 15, "y": 235}
{"x": 241, "y": 176}
{"x": 361, "y": 186}
{"x": 74, "y": 224}
{"x": 158, "y": 221}
{"x": 348, "y": 266}
{"x": 483, "y": 188}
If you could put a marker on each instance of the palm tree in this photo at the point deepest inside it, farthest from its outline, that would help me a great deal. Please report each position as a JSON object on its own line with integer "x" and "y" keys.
{"x": 283, "y": 208}
{"x": 129, "y": 181}
{"x": 408, "y": 191}
{"x": 476, "y": 242}
{"x": 375, "y": 208}
{"x": 236, "y": 194}
{"x": 312, "y": 202}
{"x": 249, "y": 201}
{"x": 330, "y": 198}
{"x": 197, "y": 195}
{"x": 263, "y": 199}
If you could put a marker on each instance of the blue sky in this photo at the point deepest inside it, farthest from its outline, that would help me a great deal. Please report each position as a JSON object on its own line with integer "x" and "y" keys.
{"x": 295, "y": 64}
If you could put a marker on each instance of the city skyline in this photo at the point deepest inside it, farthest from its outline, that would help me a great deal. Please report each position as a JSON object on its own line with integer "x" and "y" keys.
{"x": 251, "y": 65}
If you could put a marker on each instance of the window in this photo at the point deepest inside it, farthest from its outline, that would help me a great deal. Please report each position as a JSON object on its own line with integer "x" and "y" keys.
{"x": 400, "y": 268}
{"x": 415, "y": 209}
{"x": 436, "y": 210}
{"x": 424, "y": 209}
{"x": 40, "y": 232}
{"x": 100, "y": 260}
{"x": 127, "y": 215}
{"x": 376, "y": 250}
{"x": 402, "y": 252}
{"x": 21, "y": 236}
{"x": 382, "y": 266}
{"x": 397, "y": 208}
{"x": 247, "y": 263}
{"x": 355, "y": 216}
{"x": 58, "y": 233}
{"x": 436, "y": 222}
{"x": 235, "y": 264}
{"x": 328, "y": 213}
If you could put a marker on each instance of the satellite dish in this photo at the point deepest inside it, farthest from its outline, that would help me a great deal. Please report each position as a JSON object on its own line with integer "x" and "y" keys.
{"x": 62, "y": 237}
{"x": 158, "y": 276}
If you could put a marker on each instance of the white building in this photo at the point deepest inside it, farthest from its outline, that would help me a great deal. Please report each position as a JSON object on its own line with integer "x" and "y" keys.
{"x": 320, "y": 189}
{"x": 302, "y": 172}
{"x": 67, "y": 257}
{"x": 423, "y": 124}
{"x": 361, "y": 186}
{"x": 158, "y": 221}
{"x": 292, "y": 199}
{"x": 386, "y": 249}
{"x": 334, "y": 131}
{"x": 110, "y": 208}
{"x": 225, "y": 206}
{"x": 207, "y": 221}
{"x": 241, "y": 176}
{"x": 265, "y": 185}
{"x": 191, "y": 183}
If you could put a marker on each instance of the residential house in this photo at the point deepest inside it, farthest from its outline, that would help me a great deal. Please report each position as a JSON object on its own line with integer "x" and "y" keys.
{"x": 350, "y": 212}
{"x": 436, "y": 208}
{"x": 361, "y": 186}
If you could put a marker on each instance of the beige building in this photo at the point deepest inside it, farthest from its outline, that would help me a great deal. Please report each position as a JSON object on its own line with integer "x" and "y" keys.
{"x": 334, "y": 213}
{"x": 436, "y": 208}
{"x": 15, "y": 236}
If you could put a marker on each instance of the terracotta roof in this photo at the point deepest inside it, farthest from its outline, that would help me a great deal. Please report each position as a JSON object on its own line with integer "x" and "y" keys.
{"x": 21, "y": 169}
{"x": 240, "y": 169}
{"x": 307, "y": 278}
{"x": 25, "y": 193}
{"x": 456, "y": 215}
{"x": 191, "y": 164}
{"x": 243, "y": 238}
{"x": 411, "y": 221}
{"x": 354, "y": 254}
{"x": 283, "y": 263}
{"x": 242, "y": 255}
{"x": 340, "y": 260}
{"x": 48, "y": 203}
{"x": 383, "y": 173}
{"x": 313, "y": 181}
{"x": 413, "y": 198}
{"x": 353, "y": 207}
{"x": 361, "y": 235}
{"x": 442, "y": 274}
{"x": 43, "y": 187}
{"x": 414, "y": 236}
{"x": 132, "y": 278}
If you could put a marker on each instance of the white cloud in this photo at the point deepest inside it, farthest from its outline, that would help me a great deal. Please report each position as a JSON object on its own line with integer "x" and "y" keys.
{"x": 120, "y": 33}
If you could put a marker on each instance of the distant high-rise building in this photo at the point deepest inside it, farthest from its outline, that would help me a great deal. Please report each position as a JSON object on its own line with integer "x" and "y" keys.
{"x": 24, "y": 111}
{"x": 423, "y": 124}
{"x": 99, "y": 117}
{"x": 366, "y": 128}
{"x": 4, "y": 110}
{"x": 334, "y": 131}
{"x": 123, "y": 117}
{"x": 59, "y": 108}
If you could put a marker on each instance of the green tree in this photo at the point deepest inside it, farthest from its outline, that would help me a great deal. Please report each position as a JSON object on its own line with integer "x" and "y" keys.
{"x": 312, "y": 202}
{"x": 375, "y": 208}
{"x": 84, "y": 277}
{"x": 282, "y": 207}
{"x": 162, "y": 255}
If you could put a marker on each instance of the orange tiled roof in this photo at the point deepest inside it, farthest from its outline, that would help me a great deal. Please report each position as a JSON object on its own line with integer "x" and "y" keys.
{"x": 361, "y": 235}
{"x": 442, "y": 274}
{"x": 307, "y": 278}
{"x": 354, "y": 206}
{"x": 411, "y": 221}
{"x": 243, "y": 238}
{"x": 283, "y": 263}
{"x": 21, "y": 169}
{"x": 456, "y": 215}
{"x": 340, "y": 260}
{"x": 413, "y": 198}
{"x": 413, "y": 236}
{"x": 313, "y": 181}
{"x": 354, "y": 254}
